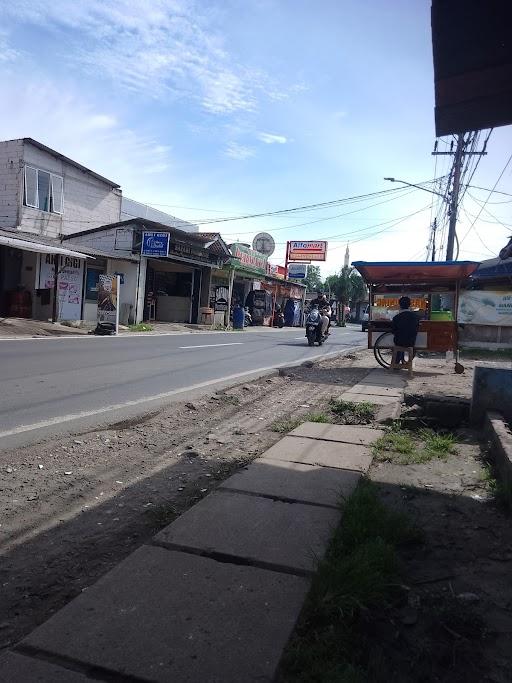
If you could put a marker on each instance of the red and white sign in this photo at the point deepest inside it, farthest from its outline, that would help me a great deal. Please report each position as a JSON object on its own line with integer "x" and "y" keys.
{"x": 307, "y": 251}
{"x": 276, "y": 271}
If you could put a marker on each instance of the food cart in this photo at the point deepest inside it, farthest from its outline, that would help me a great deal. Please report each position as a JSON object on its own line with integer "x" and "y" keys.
{"x": 433, "y": 288}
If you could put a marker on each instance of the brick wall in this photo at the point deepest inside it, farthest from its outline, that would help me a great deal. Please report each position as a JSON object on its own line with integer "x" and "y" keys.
{"x": 11, "y": 152}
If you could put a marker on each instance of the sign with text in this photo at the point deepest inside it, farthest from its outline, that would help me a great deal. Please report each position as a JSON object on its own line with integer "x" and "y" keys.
{"x": 221, "y": 298}
{"x": 247, "y": 259}
{"x": 485, "y": 308}
{"x": 278, "y": 272}
{"x": 108, "y": 300}
{"x": 155, "y": 244}
{"x": 298, "y": 271}
{"x": 70, "y": 280}
{"x": 307, "y": 251}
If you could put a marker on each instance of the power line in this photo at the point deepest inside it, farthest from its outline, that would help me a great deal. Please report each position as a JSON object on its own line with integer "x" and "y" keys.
{"x": 485, "y": 202}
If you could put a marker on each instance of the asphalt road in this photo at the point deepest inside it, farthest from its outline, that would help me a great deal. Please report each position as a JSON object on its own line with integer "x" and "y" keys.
{"x": 57, "y": 385}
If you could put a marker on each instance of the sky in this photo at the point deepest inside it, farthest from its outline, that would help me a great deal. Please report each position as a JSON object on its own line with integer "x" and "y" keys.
{"x": 210, "y": 109}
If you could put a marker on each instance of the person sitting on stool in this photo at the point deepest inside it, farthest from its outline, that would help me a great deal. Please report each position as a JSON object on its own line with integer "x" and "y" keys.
{"x": 405, "y": 326}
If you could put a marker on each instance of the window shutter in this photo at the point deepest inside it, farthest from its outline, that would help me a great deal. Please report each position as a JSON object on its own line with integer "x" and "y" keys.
{"x": 57, "y": 194}
{"x": 31, "y": 187}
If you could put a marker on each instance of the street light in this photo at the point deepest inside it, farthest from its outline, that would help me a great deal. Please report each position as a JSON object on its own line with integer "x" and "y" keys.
{"x": 443, "y": 197}
{"x": 419, "y": 187}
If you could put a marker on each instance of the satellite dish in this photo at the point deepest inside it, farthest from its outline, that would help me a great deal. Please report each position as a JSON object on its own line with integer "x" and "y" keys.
{"x": 264, "y": 243}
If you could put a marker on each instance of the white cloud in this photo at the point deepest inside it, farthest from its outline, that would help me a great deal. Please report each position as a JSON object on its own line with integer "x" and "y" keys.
{"x": 157, "y": 47}
{"x": 240, "y": 152}
{"x": 66, "y": 122}
{"x": 7, "y": 53}
{"x": 271, "y": 139}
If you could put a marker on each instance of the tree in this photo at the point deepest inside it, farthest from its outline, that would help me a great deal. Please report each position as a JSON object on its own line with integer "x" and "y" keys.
{"x": 347, "y": 286}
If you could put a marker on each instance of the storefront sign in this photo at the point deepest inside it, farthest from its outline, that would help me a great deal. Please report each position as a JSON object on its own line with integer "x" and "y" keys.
{"x": 155, "y": 244}
{"x": 276, "y": 271}
{"x": 248, "y": 259}
{"x": 70, "y": 283}
{"x": 485, "y": 308}
{"x": 307, "y": 251}
{"x": 221, "y": 299}
{"x": 108, "y": 299}
{"x": 297, "y": 270}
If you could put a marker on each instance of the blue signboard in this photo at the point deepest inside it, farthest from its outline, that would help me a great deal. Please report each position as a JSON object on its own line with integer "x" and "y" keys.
{"x": 297, "y": 271}
{"x": 155, "y": 244}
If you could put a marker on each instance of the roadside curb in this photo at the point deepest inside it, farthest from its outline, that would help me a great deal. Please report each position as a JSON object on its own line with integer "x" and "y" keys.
{"x": 501, "y": 439}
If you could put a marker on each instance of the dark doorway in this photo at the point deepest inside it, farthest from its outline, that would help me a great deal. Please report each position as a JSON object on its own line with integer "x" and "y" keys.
{"x": 196, "y": 294}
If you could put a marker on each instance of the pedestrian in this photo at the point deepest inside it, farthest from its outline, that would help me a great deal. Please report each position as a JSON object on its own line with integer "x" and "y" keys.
{"x": 405, "y": 326}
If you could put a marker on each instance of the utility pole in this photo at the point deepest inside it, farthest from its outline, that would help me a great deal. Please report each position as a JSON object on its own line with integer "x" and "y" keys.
{"x": 454, "y": 203}
{"x": 434, "y": 230}
{"x": 459, "y": 155}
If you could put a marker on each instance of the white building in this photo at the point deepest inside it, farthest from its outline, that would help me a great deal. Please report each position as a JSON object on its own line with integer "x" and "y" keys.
{"x": 44, "y": 195}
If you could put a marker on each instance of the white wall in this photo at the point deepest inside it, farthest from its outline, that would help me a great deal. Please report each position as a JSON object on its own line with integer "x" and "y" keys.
{"x": 11, "y": 153}
{"x": 88, "y": 202}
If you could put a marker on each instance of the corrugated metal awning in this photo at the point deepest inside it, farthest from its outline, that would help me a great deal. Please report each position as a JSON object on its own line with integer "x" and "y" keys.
{"x": 40, "y": 248}
{"x": 428, "y": 272}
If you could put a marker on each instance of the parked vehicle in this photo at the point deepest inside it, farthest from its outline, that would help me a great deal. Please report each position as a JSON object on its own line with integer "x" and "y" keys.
{"x": 365, "y": 317}
{"x": 278, "y": 319}
{"x": 314, "y": 328}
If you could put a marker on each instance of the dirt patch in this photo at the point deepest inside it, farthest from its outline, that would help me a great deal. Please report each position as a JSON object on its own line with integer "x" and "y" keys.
{"x": 71, "y": 508}
{"x": 454, "y": 621}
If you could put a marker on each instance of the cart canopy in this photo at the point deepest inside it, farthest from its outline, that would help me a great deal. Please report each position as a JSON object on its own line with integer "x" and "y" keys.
{"x": 414, "y": 273}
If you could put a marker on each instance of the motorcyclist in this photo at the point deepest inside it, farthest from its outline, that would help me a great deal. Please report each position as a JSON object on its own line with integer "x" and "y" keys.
{"x": 322, "y": 303}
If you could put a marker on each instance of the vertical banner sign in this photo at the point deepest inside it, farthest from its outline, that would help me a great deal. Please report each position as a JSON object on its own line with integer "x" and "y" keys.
{"x": 69, "y": 284}
{"x": 108, "y": 300}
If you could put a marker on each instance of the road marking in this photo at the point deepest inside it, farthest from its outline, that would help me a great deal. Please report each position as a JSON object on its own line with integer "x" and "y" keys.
{"x": 168, "y": 394}
{"x": 208, "y": 346}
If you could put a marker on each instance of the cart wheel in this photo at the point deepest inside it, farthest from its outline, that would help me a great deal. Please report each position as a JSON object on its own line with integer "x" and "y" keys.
{"x": 459, "y": 369}
{"x": 382, "y": 349}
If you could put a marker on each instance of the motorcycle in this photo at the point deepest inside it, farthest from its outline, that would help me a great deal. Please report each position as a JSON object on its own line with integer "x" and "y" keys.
{"x": 278, "y": 319}
{"x": 314, "y": 332}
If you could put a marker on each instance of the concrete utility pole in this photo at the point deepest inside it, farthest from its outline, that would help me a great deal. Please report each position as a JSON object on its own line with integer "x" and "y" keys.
{"x": 454, "y": 203}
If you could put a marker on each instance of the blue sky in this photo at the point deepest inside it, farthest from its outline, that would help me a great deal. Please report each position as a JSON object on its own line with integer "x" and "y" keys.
{"x": 231, "y": 107}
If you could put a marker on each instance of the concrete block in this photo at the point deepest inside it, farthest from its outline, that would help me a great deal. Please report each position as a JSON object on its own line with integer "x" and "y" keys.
{"x": 328, "y": 454}
{"x": 492, "y": 388}
{"x": 294, "y": 482}
{"x": 167, "y": 616}
{"x": 388, "y": 413}
{"x": 366, "y": 398}
{"x": 17, "y": 668}
{"x": 362, "y": 436}
{"x": 500, "y": 436}
{"x": 384, "y": 378}
{"x": 271, "y": 533}
{"x": 377, "y": 390}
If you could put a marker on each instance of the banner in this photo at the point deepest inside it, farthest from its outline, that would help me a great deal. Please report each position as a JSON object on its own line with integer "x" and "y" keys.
{"x": 108, "y": 300}
{"x": 248, "y": 259}
{"x": 70, "y": 282}
{"x": 485, "y": 308}
{"x": 307, "y": 251}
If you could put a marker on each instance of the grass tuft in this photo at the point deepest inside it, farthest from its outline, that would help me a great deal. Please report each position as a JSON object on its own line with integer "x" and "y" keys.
{"x": 141, "y": 327}
{"x": 401, "y": 447}
{"x": 360, "y": 572}
{"x": 352, "y": 413}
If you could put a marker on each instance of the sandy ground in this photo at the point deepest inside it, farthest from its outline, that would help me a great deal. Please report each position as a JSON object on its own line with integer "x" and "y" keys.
{"x": 458, "y": 622}
{"x": 71, "y": 508}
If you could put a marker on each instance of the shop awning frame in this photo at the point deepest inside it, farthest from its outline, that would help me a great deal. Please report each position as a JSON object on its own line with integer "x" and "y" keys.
{"x": 40, "y": 248}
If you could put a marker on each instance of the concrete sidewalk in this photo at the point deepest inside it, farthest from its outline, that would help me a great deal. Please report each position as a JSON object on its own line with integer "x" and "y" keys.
{"x": 216, "y": 595}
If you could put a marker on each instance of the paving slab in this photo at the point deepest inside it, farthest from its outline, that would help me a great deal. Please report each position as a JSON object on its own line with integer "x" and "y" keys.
{"x": 294, "y": 482}
{"x": 363, "y": 436}
{"x": 326, "y": 453}
{"x": 386, "y": 377}
{"x": 377, "y": 390}
{"x": 17, "y": 668}
{"x": 368, "y": 398}
{"x": 272, "y": 533}
{"x": 168, "y": 616}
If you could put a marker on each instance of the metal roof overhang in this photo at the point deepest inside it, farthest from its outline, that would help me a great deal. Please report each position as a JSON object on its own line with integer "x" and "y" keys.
{"x": 40, "y": 248}
{"x": 429, "y": 273}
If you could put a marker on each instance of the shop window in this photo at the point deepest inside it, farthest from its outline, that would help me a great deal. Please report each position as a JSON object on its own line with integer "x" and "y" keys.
{"x": 43, "y": 190}
{"x": 91, "y": 283}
